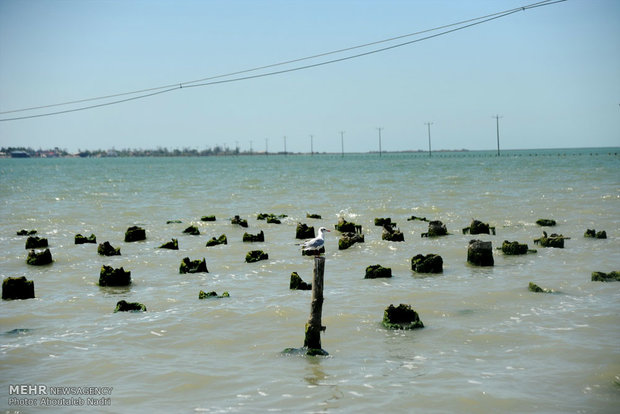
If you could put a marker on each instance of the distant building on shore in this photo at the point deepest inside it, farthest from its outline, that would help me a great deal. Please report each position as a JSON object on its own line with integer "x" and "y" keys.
{"x": 19, "y": 154}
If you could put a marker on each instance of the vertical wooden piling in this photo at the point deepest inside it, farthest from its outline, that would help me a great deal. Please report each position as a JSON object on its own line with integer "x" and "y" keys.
{"x": 314, "y": 326}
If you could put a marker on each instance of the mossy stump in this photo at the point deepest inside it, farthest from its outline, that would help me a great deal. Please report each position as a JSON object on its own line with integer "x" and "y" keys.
{"x": 17, "y": 288}
{"x": 193, "y": 266}
{"x": 349, "y": 239}
{"x": 435, "y": 229}
{"x": 114, "y": 277}
{"x": 256, "y": 256}
{"x": 533, "y": 287}
{"x": 239, "y": 221}
{"x": 297, "y": 283}
{"x": 380, "y": 221}
{"x": 390, "y": 233}
{"x": 24, "y": 232}
{"x": 401, "y": 317}
{"x": 514, "y": 248}
{"x": 79, "y": 239}
{"x": 173, "y": 221}
{"x": 39, "y": 258}
{"x": 344, "y": 226}
{"x": 135, "y": 233}
{"x": 480, "y": 253}
{"x": 478, "y": 227}
{"x": 207, "y": 218}
{"x": 606, "y": 277}
{"x": 303, "y": 231}
{"x": 431, "y": 263}
{"x": 206, "y": 295}
{"x": 220, "y": 240}
{"x": 36, "y": 242}
{"x": 313, "y": 216}
{"x": 553, "y": 240}
{"x": 172, "y": 245}
{"x": 106, "y": 249}
{"x": 546, "y": 222}
{"x": 192, "y": 230}
{"x": 252, "y": 238}
{"x": 124, "y": 306}
{"x": 378, "y": 271}
{"x": 595, "y": 234}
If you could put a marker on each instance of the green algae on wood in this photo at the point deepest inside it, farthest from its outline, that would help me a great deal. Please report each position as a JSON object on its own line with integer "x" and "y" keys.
{"x": 106, "y": 249}
{"x": 205, "y": 295}
{"x": 24, "y": 232}
{"x": 173, "y": 221}
{"x": 36, "y": 242}
{"x": 401, "y": 317}
{"x": 39, "y": 258}
{"x": 347, "y": 227}
{"x": 435, "y": 229}
{"x": 533, "y": 287}
{"x": 256, "y": 256}
{"x": 79, "y": 239}
{"x": 108, "y": 276}
{"x": 478, "y": 227}
{"x": 124, "y": 306}
{"x": 207, "y": 218}
{"x": 377, "y": 271}
{"x": 349, "y": 239}
{"x": 431, "y": 263}
{"x": 172, "y": 245}
{"x": 313, "y": 216}
{"x": 192, "y": 230}
{"x": 220, "y": 240}
{"x": 297, "y": 283}
{"x": 480, "y": 253}
{"x": 135, "y": 233}
{"x": 239, "y": 221}
{"x": 594, "y": 234}
{"x": 17, "y": 288}
{"x": 381, "y": 221}
{"x": 514, "y": 248}
{"x": 546, "y": 222}
{"x": 259, "y": 237}
{"x": 553, "y": 240}
{"x": 193, "y": 266}
{"x": 613, "y": 276}
{"x": 391, "y": 233}
{"x": 303, "y": 231}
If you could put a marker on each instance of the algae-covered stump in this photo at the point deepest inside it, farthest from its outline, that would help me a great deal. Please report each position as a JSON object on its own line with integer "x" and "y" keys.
{"x": 239, "y": 221}
{"x": 391, "y": 233}
{"x": 108, "y": 276}
{"x": 553, "y": 240}
{"x": 478, "y": 227}
{"x": 435, "y": 229}
{"x": 251, "y": 238}
{"x": 431, "y": 263}
{"x": 480, "y": 253}
{"x": 606, "y": 277}
{"x": 17, "y": 288}
{"x": 24, "y": 232}
{"x": 39, "y": 258}
{"x": 106, "y": 249}
{"x": 220, "y": 240}
{"x": 207, "y": 218}
{"x": 172, "y": 245}
{"x": 349, "y": 239}
{"x": 135, "y": 233}
{"x": 313, "y": 216}
{"x": 124, "y": 306}
{"x": 514, "y": 248}
{"x": 347, "y": 227}
{"x": 36, "y": 242}
{"x": 297, "y": 283}
{"x": 595, "y": 234}
{"x": 256, "y": 256}
{"x": 192, "y": 230}
{"x": 401, "y": 317}
{"x": 79, "y": 239}
{"x": 533, "y": 287}
{"x": 546, "y": 222}
{"x": 205, "y": 295}
{"x": 303, "y": 231}
{"x": 378, "y": 271}
{"x": 383, "y": 221}
{"x": 193, "y": 266}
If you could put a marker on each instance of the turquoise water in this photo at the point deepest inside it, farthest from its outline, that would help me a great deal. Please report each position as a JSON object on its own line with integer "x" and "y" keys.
{"x": 489, "y": 345}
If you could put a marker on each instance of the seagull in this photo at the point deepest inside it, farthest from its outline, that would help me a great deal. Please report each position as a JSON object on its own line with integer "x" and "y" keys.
{"x": 317, "y": 242}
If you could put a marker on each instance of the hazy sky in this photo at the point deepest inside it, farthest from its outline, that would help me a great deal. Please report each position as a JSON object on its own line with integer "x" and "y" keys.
{"x": 552, "y": 73}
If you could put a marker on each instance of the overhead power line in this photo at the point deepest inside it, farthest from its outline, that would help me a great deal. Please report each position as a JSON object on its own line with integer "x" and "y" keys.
{"x": 218, "y": 79}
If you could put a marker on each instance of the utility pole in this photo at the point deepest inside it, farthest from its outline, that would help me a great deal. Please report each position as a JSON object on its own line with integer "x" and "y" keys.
{"x": 429, "y": 137}
{"x": 342, "y": 143}
{"x": 285, "y": 145}
{"x": 497, "y": 117}
{"x": 379, "y": 129}
{"x": 311, "y": 145}
{"x": 250, "y": 147}
{"x": 266, "y": 146}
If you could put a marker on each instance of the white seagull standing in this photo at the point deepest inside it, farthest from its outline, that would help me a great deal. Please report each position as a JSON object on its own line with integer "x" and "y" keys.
{"x": 317, "y": 242}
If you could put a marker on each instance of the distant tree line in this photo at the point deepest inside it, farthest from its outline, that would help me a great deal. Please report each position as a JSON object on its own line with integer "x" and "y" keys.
{"x": 159, "y": 152}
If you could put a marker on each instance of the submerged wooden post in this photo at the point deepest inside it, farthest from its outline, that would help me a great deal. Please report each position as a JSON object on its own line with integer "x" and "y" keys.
{"x": 314, "y": 327}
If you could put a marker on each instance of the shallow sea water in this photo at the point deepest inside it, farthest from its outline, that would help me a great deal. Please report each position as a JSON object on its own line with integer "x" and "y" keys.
{"x": 489, "y": 345}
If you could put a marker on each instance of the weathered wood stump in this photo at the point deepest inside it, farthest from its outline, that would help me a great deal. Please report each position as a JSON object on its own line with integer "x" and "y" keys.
{"x": 553, "y": 240}
{"x": 239, "y": 221}
{"x": 36, "y": 242}
{"x": 207, "y": 218}
{"x": 192, "y": 230}
{"x": 391, "y": 233}
{"x": 251, "y": 238}
{"x": 256, "y": 256}
{"x": 79, "y": 239}
{"x": 106, "y": 249}
{"x": 24, "y": 232}
{"x": 297, "y": 283}
{"x": 172, "y": 245}
{"x": 431, "y": 263}
{"x": 401, "y": 317}
{"x": 514, "y": 248}
{"x": 377, "y": 271}
{"x": 220, "y": 240}
{"x": 595, "y": 234}
{"x": 303, "y": 231}
{"x": 435, "y": 229}
{"x": 17, "y": 288}
{"x": 478, "y": 227}
{"x": 314, "y": 326}
{"x": 546, "y": 222}
{"x": 606, "y": 277}
{"x": 109, "y": 276}
{"x": 124, "y": 306}
{"x": 480, "y": 253}
{"x": 193, "y": 266}
{"x": 206, "y": 295}
{"x": 344, "y": 226}
{"x": 39, "y": 258}
{"x": 135, "y": 233}
{"x": 349, "y": 239}
{"x": 533, "y": 287}
{"x": 313, "y": 216}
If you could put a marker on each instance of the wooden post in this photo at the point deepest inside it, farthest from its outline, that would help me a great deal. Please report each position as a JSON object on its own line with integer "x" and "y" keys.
{"x": 313, "y": 326}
